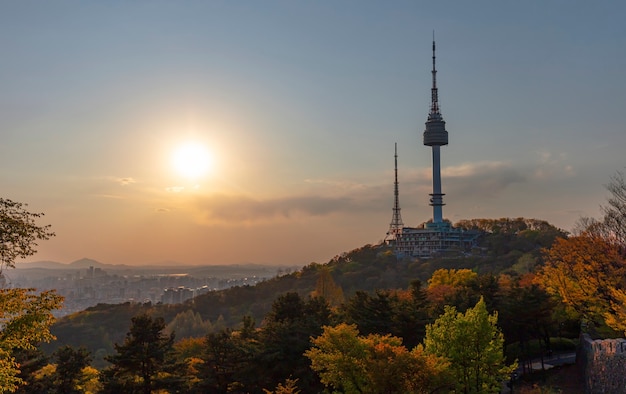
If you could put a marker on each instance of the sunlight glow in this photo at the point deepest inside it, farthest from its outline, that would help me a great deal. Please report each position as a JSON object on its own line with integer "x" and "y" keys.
{"x": 192, "y": 160}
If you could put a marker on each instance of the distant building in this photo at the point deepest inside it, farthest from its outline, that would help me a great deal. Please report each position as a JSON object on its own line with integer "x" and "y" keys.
{"x": 437, "y": 237}
{"x": 176, "y": 295}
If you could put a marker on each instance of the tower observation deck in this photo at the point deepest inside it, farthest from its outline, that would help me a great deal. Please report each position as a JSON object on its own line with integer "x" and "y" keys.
{"x": 435, "y": 136}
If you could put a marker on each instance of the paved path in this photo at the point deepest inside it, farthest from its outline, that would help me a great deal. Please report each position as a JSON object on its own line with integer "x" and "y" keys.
{"x": 549, "y": 362}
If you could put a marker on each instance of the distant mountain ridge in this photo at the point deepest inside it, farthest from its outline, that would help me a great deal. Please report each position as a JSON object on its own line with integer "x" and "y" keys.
{"x": 78, "y": 264}
{"x": 42, "y": 269}
{"x": 87, "y": 262}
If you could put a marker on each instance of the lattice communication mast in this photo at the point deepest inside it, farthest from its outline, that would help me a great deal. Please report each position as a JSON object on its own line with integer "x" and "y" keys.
{"x": 395, "y": 228}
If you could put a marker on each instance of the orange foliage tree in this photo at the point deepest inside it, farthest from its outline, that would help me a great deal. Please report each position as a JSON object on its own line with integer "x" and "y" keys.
{"x": 587, "y": 273}
{"x": 352, "y": 363}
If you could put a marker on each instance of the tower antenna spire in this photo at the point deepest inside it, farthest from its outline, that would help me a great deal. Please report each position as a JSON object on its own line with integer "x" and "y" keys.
{"x": 434, "y": 102}
{"x": 395, "y": 228}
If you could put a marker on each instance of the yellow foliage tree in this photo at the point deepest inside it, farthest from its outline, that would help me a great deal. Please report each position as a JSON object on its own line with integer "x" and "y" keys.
{"x": 25, "y": 318}
{"x": 290, "y": 387}
{"x": 25, "y": 314}
{"x": 451, "y": 277}
{"x": 327, "y": 288}
{"x": 615, "y": 317}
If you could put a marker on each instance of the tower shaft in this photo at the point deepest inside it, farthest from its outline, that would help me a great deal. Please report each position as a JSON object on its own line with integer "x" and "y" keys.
{"x": 436, "y": 197}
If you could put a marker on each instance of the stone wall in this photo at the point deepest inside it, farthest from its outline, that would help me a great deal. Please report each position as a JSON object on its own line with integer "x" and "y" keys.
{"x": 603, "y": 363}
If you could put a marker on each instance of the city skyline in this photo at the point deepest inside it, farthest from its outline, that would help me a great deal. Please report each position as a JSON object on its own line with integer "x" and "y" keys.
{"x": 290, "y": 112}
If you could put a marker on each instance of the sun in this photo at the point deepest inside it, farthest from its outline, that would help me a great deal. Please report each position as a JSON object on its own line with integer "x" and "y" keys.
{"x": 192, "y": 160}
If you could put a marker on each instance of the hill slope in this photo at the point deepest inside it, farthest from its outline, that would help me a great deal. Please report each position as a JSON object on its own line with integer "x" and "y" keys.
{"x": 507, "y": 244}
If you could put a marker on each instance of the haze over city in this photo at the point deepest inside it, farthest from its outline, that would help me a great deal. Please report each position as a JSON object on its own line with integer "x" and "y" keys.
{"x": 235, "y": 132}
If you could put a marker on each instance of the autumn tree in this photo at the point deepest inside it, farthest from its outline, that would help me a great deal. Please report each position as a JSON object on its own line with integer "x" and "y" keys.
{"x": 473, "y": 344}
{"x": 451, "y": 277}
{"x": 327, "y": 288}
{"x": 290, "y": 387}
{"x": 445, "y": 283}
{"x": 19, "y": 232}
{"x": 461, "y": 288}
{"x": 188, "y": 348}
{"x": 350, "y": 363}
{"x": 584, "y": 272}
{"x": 612, "y": 226}
{"x": 142, "y": 362}
{"x": 599, "y": 252}
{"x": 25, "y": 314}
{"x": 615, "y": 317}
{"x": 189, "y": 324}
{"x": 615, "y": 210}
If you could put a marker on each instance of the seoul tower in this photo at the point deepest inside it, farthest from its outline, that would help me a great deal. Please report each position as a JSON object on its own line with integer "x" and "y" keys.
{"x": 435, "y": 136}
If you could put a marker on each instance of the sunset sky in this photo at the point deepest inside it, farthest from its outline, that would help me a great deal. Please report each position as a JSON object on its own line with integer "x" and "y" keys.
{"x": 295, "y": 107}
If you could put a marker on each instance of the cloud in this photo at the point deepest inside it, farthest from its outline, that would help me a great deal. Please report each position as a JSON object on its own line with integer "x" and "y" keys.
{"x": 126, "y": 181}
{"x": 123, "y": 181}
{"x": 237, "y": 208}
{"x": 474, "y": 169}
{"x": 552, "y": 166}
{"x": 342, "y": 185}
{"x": 486, "y": 178}
{"x": 174, "y": 189}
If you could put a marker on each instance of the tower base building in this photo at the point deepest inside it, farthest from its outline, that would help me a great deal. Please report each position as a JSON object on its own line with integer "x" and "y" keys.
{"x": 435, "y": 240}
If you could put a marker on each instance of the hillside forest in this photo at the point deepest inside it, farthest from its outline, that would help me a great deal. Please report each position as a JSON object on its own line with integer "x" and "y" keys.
{"x": 364, "y": 322}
